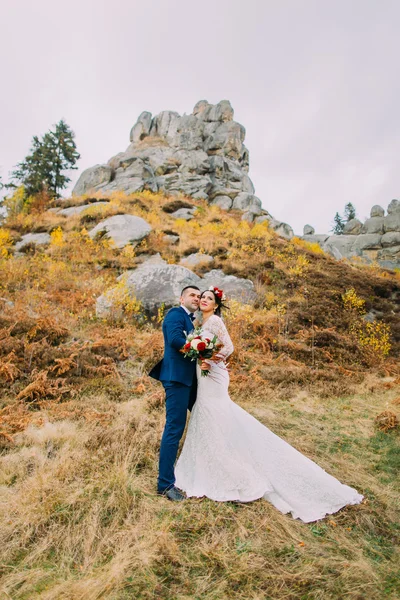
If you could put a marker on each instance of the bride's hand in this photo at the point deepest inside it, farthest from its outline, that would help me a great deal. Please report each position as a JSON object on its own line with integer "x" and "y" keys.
{"x": 205, "y": 365}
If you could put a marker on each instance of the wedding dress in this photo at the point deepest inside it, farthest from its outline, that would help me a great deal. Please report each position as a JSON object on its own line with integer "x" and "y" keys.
{"x": 230, "y": 455}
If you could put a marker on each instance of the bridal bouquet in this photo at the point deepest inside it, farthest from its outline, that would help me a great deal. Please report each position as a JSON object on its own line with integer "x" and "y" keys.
{"x": 199, "y": 348}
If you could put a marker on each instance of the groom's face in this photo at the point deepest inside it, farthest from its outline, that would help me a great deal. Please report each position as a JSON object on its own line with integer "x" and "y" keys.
{"x": 190, "y": 299}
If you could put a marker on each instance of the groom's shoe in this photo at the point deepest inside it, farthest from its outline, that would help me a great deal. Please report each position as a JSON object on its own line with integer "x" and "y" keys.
{"x": 173, "y": 494}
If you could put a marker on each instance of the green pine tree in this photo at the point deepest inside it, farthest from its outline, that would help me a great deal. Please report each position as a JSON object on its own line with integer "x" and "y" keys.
{"x": 349, "y": 212}
{"x": 338, "y": 224}
{"x": 49, "y": 158}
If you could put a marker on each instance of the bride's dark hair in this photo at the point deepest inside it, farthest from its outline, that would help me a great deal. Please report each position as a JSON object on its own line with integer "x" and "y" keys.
{"x": 218, "y": 300}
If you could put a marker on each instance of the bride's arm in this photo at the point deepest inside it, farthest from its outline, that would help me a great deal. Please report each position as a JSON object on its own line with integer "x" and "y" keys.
{"x": 216, "y": 326}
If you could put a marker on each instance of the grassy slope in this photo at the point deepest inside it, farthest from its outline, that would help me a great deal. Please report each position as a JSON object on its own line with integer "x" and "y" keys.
{"x": 81, "y": 424}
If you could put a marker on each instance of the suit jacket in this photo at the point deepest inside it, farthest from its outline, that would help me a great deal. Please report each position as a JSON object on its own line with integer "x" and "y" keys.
{"x": 174, "y": 366}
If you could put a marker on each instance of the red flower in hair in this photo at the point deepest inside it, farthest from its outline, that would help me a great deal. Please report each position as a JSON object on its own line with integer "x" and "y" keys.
{"x": 218, "y": 292}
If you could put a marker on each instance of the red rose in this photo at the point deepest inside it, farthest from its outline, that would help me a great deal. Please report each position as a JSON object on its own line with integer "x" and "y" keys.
{"x": 201, "y": 346}
{"x": 187, "y": 346}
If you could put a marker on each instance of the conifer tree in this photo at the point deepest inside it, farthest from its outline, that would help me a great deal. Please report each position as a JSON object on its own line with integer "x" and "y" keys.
{"x": 338, "y": 225}
{"x": 349, "y": 212}
{"x": 49, "y": 158}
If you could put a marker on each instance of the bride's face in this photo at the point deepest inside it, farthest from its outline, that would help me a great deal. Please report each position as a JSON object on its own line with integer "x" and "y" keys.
{"x": 207, "y": 302}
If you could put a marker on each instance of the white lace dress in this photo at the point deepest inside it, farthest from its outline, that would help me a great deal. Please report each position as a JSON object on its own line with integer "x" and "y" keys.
{"x": 229, "y": 455}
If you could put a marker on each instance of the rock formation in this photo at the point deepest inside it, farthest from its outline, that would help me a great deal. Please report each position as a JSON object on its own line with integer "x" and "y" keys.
{"x": 201, "y": 155}
{"x": 377, "y": 239}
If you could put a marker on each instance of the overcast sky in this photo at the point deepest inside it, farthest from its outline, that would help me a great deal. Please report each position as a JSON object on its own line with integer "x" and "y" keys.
{"x": 314, "y": 82}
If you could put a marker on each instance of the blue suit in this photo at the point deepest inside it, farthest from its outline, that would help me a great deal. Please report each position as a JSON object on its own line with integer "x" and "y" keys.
{"x": 178, "y": 376}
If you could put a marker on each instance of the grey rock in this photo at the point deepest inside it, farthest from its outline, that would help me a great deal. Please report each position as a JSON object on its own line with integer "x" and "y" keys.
{"x": 367, "y": 241}
{"x": 184, "y": 213}
{"x": 196, "y": 161}
{"x": 157, "y": 283}
{"x": 201, "y": 155}
{"x": 224, "y": 202}
{"x": 394, "y": 207}
{"x": 76, "y": 210}
{"x": 391, "y": 238}
{"x": 92, "y": 179}
{"x": 196, "y": 259}
{"x": 392, "y": 252}
{"x": 33, "y": 238}
{"x": 189, "y": 134}
{"x": 165, "y": 124}
{"x": 392, "y": 222}
{"x": 263, "y": 218}
{"x": 320, "y": 238}
{"x": 249, "y": 216}
{"x": 308, "y": 230}
{"x": 343, "y": 243}
{"x": 218, "y": 188}
{"x": 352, "y": 227}
{"x": 282, "y": 229}
{"x": 377, "y": 211}
{"x": 171, "y": 239}
{"x": 141, "y": 129}
{"x": 222, "y": 111}
{"x": 200, "y": 107}
{"x": 227, "y": 139}
{"x": 244, "y": 201}
{"x": 235, "y": 288}
{"x": 107, "y": 307}
{"x": 123, "y": 229}
{"x": 373, "y": 225}
{"x": 332, "y": 250}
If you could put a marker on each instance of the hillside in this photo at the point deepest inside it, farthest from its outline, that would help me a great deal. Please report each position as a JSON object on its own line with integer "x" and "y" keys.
{"x": 316, "y": 360}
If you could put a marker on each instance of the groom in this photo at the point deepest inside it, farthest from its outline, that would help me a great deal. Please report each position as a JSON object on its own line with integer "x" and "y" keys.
{"x": 178, "y": 376}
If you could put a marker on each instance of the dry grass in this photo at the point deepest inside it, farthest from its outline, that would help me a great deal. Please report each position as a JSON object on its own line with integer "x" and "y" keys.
{"x": 80, "y": 423}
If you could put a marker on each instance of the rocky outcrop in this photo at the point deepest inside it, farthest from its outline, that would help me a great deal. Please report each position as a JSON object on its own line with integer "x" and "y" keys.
{"x": 201, "y": 155}
{"x": 378, "y": 239}
{"x": 122, "y": 229}
{"x": 37, "y": 239}
{"x": 156, "y": 283}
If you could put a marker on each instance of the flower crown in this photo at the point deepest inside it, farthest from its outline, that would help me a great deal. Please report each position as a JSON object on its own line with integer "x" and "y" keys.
{"x": 219, "y": 293}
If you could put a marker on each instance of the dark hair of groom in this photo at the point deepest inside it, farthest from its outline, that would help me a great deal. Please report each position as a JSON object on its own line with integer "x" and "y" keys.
{"x": 189, "y": 287}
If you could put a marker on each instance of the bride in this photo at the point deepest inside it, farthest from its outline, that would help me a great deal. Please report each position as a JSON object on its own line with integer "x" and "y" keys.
{"x": 229, "y": 455}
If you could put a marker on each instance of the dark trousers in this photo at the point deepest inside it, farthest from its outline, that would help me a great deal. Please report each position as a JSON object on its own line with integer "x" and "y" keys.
{"x": 179, "y": 398}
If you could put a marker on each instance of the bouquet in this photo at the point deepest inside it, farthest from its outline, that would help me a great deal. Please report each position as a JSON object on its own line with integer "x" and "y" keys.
{"x": 199, "y": 348}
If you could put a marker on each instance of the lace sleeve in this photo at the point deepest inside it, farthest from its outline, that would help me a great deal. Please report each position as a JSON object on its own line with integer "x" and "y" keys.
{"x": 216, "y": 326}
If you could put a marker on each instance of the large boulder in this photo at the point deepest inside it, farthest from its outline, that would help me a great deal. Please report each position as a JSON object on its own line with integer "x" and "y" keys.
{"x": 352, "y": 227}
{"x": 195, "y": 259}
{"x": 374, "y": 224}
{"x": 394, "y": 207}
{"x": 247, "y": 202}
{"x": 392, "y": 222}
{"x": 38, "y": 239}
{"x": 77, "y": 210}
{"x": 377, "y": 211}
{"x": 141, "y": 129}
{"x": 367, "y": 241}
{"x": 159, "y": 283}
{"x": 235, "y": 288}
{"x": 93, "y": 179}
{"x": 156, "y": 283}
{"x": 122, "y": 229}
{"x": 224, "y": 202}
{"x": 343, "y": 243}
{"x": 391, "y": 238}
{"x": 308, "y": 230}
